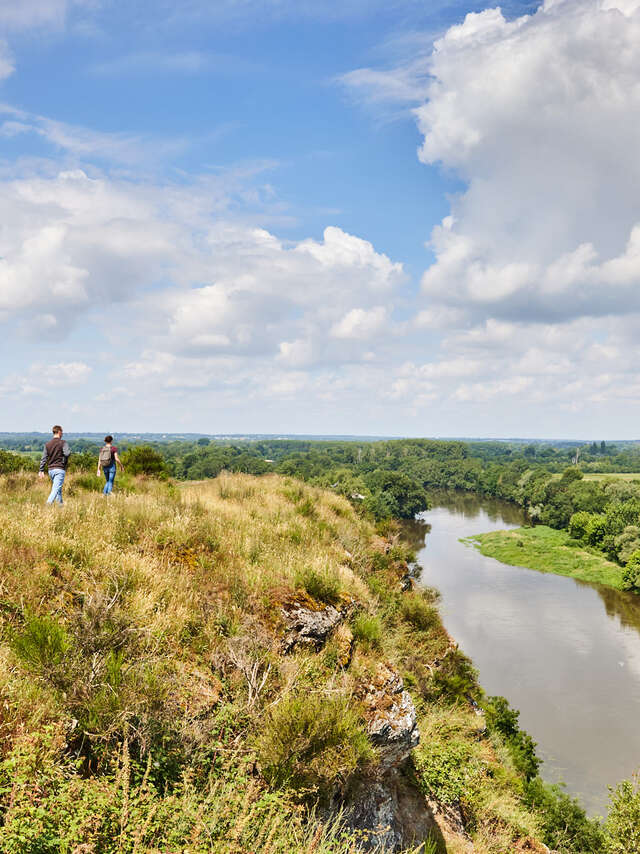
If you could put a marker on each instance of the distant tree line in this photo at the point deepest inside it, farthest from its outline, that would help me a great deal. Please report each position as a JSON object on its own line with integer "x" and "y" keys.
{"x": 393, "y": 478}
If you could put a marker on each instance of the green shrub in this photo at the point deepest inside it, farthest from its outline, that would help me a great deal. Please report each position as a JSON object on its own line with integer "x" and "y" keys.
{"x": 10, "y": 462}
{"x": 323, "y": 585}
{"x": 367, "y": 628}
{"x": 623, "y": 822}
{"x": 87, "y": 482}
{"x": 596, "y": 530}
{"x": 307, "y": 508}
{"x": 417, "y": 611}
{"x": 455, "y": 678}
{"x": 312, "y": 743}
{"x": 380, "y": 561}
{"x": 143, "y": 459}
{"x": 627, "y": 543}
{"x": 42, "y": 644}
{"x": 564, "y": 822}
{"x": 631, "y": 572}
{"x": 47, "y": 808}
{"x": 502, "y": 718}
{"x": 445, "y": 769}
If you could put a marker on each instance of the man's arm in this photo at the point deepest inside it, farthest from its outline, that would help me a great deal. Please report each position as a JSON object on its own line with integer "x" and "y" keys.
{"x": 43, "y": 462}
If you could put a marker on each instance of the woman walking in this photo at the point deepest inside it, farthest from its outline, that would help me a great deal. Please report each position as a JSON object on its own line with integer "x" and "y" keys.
{"x": 108, "y": 461}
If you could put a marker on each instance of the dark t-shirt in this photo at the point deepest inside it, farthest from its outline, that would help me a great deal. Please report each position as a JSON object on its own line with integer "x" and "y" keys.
{"x": 114, "y": 451}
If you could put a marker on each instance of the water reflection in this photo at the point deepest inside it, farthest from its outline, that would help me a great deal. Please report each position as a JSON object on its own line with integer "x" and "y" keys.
{"x": 624, "y": 606}
{"x": 414, "y": 533}
{"x": 546, "y": 642}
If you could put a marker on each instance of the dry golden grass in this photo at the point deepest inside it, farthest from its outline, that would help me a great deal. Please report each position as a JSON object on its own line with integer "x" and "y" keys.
{"x": 146, "y": 627}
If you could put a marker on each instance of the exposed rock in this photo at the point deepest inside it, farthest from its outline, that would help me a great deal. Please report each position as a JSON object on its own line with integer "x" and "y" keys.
{"x": 386, "y": 808}
{"x": 390, "y": 814}
{"x": 391, "y": 718}
{"x": 310, "y": 623}
{"x": 406, "y": 583}
{"x": 309, "y": 628}
{"x": 449, "y": 816}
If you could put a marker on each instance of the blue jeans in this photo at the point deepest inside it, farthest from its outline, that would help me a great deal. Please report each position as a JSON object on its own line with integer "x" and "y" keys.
{"x": 110, "y": 475}
{"x": 57, "y": 479}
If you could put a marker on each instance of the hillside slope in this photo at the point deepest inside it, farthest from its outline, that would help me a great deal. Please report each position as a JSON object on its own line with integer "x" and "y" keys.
{"x": 233, "y": 666}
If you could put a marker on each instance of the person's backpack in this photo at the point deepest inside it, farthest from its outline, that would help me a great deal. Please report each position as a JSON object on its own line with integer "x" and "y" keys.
{"x": 105, "y": 456}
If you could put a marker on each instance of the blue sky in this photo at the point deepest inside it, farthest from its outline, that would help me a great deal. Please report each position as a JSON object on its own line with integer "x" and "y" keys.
{"x": 288, "y": 217}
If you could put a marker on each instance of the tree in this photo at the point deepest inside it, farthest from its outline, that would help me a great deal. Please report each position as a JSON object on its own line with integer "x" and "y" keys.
{"x": 143, "y": 459}
{"x": 623, "y": 822}
{"x": 627, "y": 543}
{"x": 402, "y": 493}
{"x": 595, "y": 530}
{"x": 631, "y": 573}
{"x": 578, "y": 524}
{"x": 569, "y": 475}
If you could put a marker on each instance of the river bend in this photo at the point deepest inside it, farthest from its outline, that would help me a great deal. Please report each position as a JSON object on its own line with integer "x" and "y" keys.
{"x": 563, "y": 652}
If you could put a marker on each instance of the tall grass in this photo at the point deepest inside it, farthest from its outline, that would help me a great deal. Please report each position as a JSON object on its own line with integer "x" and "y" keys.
{"x": 145, "y": 704}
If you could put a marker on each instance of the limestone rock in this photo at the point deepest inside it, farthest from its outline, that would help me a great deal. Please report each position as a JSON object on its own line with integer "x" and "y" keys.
{"x": 310, "y": 623}
{"x": 307, "y": 626}
{"x": 389, "y": 814}
{"x": 391, "y": 718}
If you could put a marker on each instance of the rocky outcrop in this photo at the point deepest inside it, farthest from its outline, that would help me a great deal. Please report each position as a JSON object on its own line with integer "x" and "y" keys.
{"x": 385, "y": 807}
{"x": 309, "y": 628}
{"x": 391, "y": 718}
{"x": 390, "y": 814}
{"x": 310, "y": 623}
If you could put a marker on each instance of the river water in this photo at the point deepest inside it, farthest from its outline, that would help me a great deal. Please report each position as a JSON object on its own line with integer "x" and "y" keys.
{"x": 563, "y": 652}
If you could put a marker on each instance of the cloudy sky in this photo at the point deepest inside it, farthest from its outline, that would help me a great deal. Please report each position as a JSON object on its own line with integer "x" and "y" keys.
{"x": 299, "y": 216}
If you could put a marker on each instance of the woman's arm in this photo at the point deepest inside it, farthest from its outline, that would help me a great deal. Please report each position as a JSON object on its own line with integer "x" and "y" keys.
{"x": 119, "y": 461}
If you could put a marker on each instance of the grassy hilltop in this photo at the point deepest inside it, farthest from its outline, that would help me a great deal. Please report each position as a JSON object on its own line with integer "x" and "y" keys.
{"x": 146, "y": 703}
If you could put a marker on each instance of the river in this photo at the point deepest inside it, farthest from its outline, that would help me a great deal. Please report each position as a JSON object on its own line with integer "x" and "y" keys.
{"x": 563, "y": 652}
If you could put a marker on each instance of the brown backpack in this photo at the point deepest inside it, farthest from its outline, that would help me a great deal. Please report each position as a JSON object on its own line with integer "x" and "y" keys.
{"x": 105, "y": 456}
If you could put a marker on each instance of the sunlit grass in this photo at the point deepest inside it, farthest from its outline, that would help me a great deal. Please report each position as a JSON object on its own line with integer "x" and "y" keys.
{"x": 547, "y": 550}
{"x": 145, "y": 701}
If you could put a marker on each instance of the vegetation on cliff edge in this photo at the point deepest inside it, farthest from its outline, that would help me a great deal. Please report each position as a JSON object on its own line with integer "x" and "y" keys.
{"x": 146, "y": 704}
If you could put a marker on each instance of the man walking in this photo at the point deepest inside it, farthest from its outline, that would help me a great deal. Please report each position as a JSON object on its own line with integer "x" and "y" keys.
{"x": 55, "y": 456}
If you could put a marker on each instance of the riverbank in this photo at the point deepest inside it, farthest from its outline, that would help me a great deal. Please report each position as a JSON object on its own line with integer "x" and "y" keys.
{"x": 547, "y": 550}
{"x": 193, "y": 668}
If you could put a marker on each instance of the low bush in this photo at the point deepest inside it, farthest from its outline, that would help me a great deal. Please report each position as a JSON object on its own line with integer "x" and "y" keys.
{"x": 48, "y": 809}
{"x": 566, "y": 826}
{"x": 143, "y": 459}
{"x": 503, "y": 719}
{"x": 307, "y": 508}
{"x": 416, "y": 610}
{"x": 623, "y": 821}
{"x": 445, "y": 769}
{"x": 322, "y": 584}
{"x": 41, "y": 644}
{"x": 631, "y": 572}
{"x": 312, "y": 743}
{"x": 367, "y": 629}
{"x": 87, "y": 482}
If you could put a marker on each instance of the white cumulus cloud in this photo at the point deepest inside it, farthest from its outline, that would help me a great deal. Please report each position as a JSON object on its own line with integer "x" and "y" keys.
{"x": 540, "y": 116}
